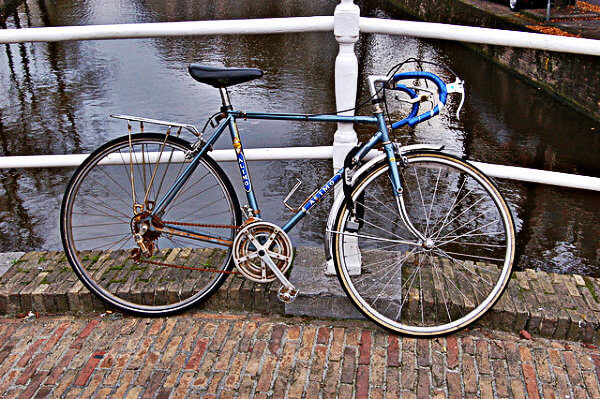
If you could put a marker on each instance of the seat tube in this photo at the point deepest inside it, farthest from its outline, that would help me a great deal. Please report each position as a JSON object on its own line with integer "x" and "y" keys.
{"x": 243, "y": 166}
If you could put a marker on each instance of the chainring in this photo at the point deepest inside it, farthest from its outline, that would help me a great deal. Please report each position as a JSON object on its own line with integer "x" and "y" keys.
{"x": 245, "y": 253}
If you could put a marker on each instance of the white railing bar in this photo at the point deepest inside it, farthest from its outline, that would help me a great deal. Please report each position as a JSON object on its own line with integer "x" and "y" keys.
{"x": 166, "y": 29}
{"x": 304, "y": 24}
{"x": 539, "y": 176}
{"x": 251, "y": 154}
{"x": 319, "y": 152}
{"x": 472, "y": 34}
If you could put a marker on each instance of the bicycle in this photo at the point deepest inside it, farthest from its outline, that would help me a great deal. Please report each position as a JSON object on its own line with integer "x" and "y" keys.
{"x": 422, "y": 242}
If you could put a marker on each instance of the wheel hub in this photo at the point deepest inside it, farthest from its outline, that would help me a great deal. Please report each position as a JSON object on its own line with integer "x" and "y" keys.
{"x": 141, "y": 226}
{"x": 428, "y": 243}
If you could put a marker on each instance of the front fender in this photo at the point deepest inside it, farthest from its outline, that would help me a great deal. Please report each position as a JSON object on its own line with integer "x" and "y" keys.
{"x": 339, "y": 200}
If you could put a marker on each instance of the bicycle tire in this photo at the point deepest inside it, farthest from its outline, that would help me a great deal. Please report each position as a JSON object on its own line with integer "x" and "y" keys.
{"x": 415, "y": 289}
{"x": 97, "y": 225}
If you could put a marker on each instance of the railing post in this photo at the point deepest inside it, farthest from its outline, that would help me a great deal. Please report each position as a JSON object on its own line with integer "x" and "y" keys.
{"x": 346, "y": 29}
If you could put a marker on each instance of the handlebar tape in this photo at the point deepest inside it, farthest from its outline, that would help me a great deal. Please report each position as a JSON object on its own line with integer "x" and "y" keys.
{"x": 443, "y": 94}
{"x": 413, "y": 111}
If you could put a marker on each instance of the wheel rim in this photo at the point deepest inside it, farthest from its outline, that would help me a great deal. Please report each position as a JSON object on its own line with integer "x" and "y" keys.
{"x": 98, "y": 225}
{"x": 450, "y": 279}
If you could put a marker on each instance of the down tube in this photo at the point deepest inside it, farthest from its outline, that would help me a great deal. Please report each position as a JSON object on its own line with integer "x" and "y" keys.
{"x": 313, "y": 200}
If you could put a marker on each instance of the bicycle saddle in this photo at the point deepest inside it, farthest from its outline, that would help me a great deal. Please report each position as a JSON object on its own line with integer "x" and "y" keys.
{"x": 223, "y": 77}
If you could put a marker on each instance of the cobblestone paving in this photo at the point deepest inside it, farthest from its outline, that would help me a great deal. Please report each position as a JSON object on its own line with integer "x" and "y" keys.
{"x": 210, "y": 355}
{"x": 546, "y": 304}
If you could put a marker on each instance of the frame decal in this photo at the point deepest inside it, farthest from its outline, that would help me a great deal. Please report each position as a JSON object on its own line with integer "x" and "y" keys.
{"x": 244, "y": 171}
{"x": 322, "y": 191}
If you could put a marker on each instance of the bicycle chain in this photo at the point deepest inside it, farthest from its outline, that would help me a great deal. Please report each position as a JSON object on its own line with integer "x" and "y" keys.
{"x": 211, "y": 226}
{"x": 214, "y": 226}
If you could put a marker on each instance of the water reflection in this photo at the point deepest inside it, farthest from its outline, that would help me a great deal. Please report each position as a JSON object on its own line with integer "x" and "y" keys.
{"x": 57, "y": 97}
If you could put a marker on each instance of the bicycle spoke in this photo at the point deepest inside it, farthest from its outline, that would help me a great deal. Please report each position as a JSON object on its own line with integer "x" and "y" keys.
{"x": 469, "y": 234}
{"x": 421, "y": 196}
{"x": 153, "y": 175}
{"x": 441, "y": 291}
{"x": 181, "y": 201}
{"x": 188, "y": 186}
{"x": 468, "y": 222}
{"x": 387, "y": 270}
{"x": 105, "y": 212}
{"x": 98, "y": 224}
{"x": 124, "y": 238}
{"x": 118, "y": 197}
{"x": 164, "y": 175}
{"x": 474, "y": 256}
{"x": 377, "y": 227}
{"x": 464, "y": 267}
{"x": 454, "y": 204}
{"x": 437, "y": 180}
{"x": 343, "y": 233}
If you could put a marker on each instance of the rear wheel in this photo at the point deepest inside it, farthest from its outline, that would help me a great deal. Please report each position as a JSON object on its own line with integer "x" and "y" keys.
{"x": 137, "y": 261}
{"x": 442, "y": 281}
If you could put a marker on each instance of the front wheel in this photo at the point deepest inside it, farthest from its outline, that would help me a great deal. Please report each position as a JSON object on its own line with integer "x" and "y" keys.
{"x": 437, "y": 283}
{"x": 137, "y": 260}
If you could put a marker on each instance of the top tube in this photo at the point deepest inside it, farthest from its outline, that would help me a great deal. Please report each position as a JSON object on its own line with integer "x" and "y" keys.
{"x": 305, "y": 117}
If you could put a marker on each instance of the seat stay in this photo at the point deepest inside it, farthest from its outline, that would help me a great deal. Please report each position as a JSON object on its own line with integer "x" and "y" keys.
{"x": 189, "y": 170}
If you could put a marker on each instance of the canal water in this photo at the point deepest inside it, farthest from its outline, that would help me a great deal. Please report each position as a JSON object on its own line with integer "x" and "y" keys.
{"x": 57, "y": 98}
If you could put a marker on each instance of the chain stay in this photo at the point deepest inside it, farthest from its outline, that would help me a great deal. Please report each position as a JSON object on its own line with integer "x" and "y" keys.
{"x": 211, "y": 226}
{"x": 200, "y": 269}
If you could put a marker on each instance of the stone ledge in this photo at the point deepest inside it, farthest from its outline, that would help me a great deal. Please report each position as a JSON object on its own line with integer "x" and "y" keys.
{"x": 44, "y": 282}
{"x": 546, "y": 304}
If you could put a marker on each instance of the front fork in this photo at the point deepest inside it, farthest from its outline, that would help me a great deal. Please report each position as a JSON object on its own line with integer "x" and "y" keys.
{"x": 395, "y": 176}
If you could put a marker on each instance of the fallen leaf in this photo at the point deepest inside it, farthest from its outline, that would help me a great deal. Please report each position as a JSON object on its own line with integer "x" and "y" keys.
{"x": 525, "y": 334}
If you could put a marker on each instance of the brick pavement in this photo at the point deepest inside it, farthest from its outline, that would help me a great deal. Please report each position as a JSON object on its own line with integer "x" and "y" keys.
{"x": 546, "y": 304}
{"x": 210, "y": 355}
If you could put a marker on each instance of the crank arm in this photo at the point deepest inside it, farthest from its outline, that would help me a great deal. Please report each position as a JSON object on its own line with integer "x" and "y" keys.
{"x": 195, "y": 236}
{"x": 286, "y": 283}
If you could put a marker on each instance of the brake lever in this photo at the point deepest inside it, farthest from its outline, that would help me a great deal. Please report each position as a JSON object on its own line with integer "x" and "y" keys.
{"x": 458, "y": 86}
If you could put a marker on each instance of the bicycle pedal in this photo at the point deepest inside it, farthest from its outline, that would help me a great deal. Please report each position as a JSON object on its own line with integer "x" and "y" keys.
{"x": 285, "y": 295}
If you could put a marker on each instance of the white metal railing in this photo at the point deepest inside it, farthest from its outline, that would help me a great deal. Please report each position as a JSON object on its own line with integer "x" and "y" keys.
{"x": 168, "y": 29}
{"x": 346, "y": 25}
{"x": 471, "y": 34}
{"x": 427, "y": 30}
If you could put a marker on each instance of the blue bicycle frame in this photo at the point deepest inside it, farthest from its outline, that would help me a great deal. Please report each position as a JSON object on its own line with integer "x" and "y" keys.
{"x": 231, "y": 122}
{"x": 381, "y": 137}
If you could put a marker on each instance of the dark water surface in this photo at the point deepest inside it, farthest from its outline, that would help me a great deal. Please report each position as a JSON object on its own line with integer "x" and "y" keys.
{"x": 56, "y": 98}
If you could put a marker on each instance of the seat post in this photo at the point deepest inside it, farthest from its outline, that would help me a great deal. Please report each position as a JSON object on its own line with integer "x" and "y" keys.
{"x": 225, "y": 99}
